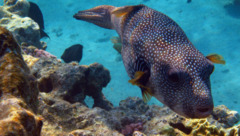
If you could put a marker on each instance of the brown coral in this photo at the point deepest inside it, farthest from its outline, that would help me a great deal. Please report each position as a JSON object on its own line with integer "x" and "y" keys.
{"x": 14, "y": 74}
{"x": 18, "y": 91}
{"x": 17, "y": 120}
{"x": 202, "y": 127}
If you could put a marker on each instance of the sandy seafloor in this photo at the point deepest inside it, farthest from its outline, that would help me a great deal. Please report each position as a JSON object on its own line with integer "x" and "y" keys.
{"x": 208, "y": 25}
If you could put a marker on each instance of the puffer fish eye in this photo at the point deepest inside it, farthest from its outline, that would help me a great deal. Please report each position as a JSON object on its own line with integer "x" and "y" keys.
{"x": 173, "y": 75}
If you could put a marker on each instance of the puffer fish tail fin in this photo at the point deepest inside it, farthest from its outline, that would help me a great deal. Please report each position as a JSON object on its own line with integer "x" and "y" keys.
{"x": 216, "y": 58}
{"x": 146, "y": 92}
{"x": 121, "y": 11}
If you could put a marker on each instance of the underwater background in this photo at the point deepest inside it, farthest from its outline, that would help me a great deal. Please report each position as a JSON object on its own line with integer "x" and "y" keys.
{"x": 41, "y": 95}
{"x": 213, "y": 26}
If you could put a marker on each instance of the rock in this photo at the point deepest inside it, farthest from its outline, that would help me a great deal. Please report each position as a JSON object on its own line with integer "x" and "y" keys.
{"x": 138, "y": 133}
{"x": 15, "y": 77}
{"x": 73, "y": 53}
{"x": 18, "y": 7}
{"x": 13, "y": 16}
{"x": 131, "y": 128}
{"x": 72, "y": 82}
{"x": 209, "y": 126}
{"x": 81, "y": 132}
{"x": 16, "y": 120}
{"x": 18, "y": 91}
{"x": 223, "y": 115}
{"x": 134, "y": 103}
{"x": 64, "y": 118}
{"x": 74, "y": 118}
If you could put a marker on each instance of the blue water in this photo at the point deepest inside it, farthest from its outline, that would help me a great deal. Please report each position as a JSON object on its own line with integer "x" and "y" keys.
{"x": 213, "y": 26}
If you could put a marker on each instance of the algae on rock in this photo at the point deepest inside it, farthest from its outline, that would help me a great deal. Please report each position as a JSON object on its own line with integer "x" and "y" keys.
{"x": 18, "y": 91}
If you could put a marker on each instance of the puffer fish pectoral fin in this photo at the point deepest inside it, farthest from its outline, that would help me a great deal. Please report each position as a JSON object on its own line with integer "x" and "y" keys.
{"x": 146, "y": 94}
{"x": 216, "y": 58}
{"x": 138, "y": 80}
{"x": 117, "y": 44}
{"x": 115, "y": 39}
{"x": 121, "y": 11}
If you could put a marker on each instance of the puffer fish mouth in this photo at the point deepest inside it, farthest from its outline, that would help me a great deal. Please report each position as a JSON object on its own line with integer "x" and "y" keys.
{"x": 203, "y": 112}
{"x": 196, "y": 112}
{"x": 85, "y": 14}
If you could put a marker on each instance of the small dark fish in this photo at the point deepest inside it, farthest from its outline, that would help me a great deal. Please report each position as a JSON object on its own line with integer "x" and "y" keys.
{"x": 159, "y": 58}
{"x": 73, "y": 53}
{"x": 36, "y": 14}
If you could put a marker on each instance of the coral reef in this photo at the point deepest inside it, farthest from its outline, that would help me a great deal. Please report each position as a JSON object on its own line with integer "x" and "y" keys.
{"x": 71, "y": 82}
{"x": 63, "y": 90}
{"x": 76, "y": 119}
{"x": 15, "y": 79}
{"x": 72, "y": 117}
{"x": 30, "y": 60}
{"x": 35, "y": 52}
{"x": 226, "y": 117}
{"x": 202, "y": 127}
{"x": 18, "y": 91}
{"x": 61, "y": 103}
{"x": 13, "y": 16}
{"x": 137, "y": 133}
{"x": 16, "y": 120}
{"x": 129, "y": 129}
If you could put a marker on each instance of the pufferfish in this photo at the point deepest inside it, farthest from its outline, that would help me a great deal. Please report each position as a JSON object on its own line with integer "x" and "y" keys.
{"x": 159, "y": 58}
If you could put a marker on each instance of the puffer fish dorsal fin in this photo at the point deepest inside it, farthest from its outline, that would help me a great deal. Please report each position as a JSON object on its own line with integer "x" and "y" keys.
{"x": 121, "y": 11}
{"x": 146, "y": 92}
{"x": 216, "y": 58}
